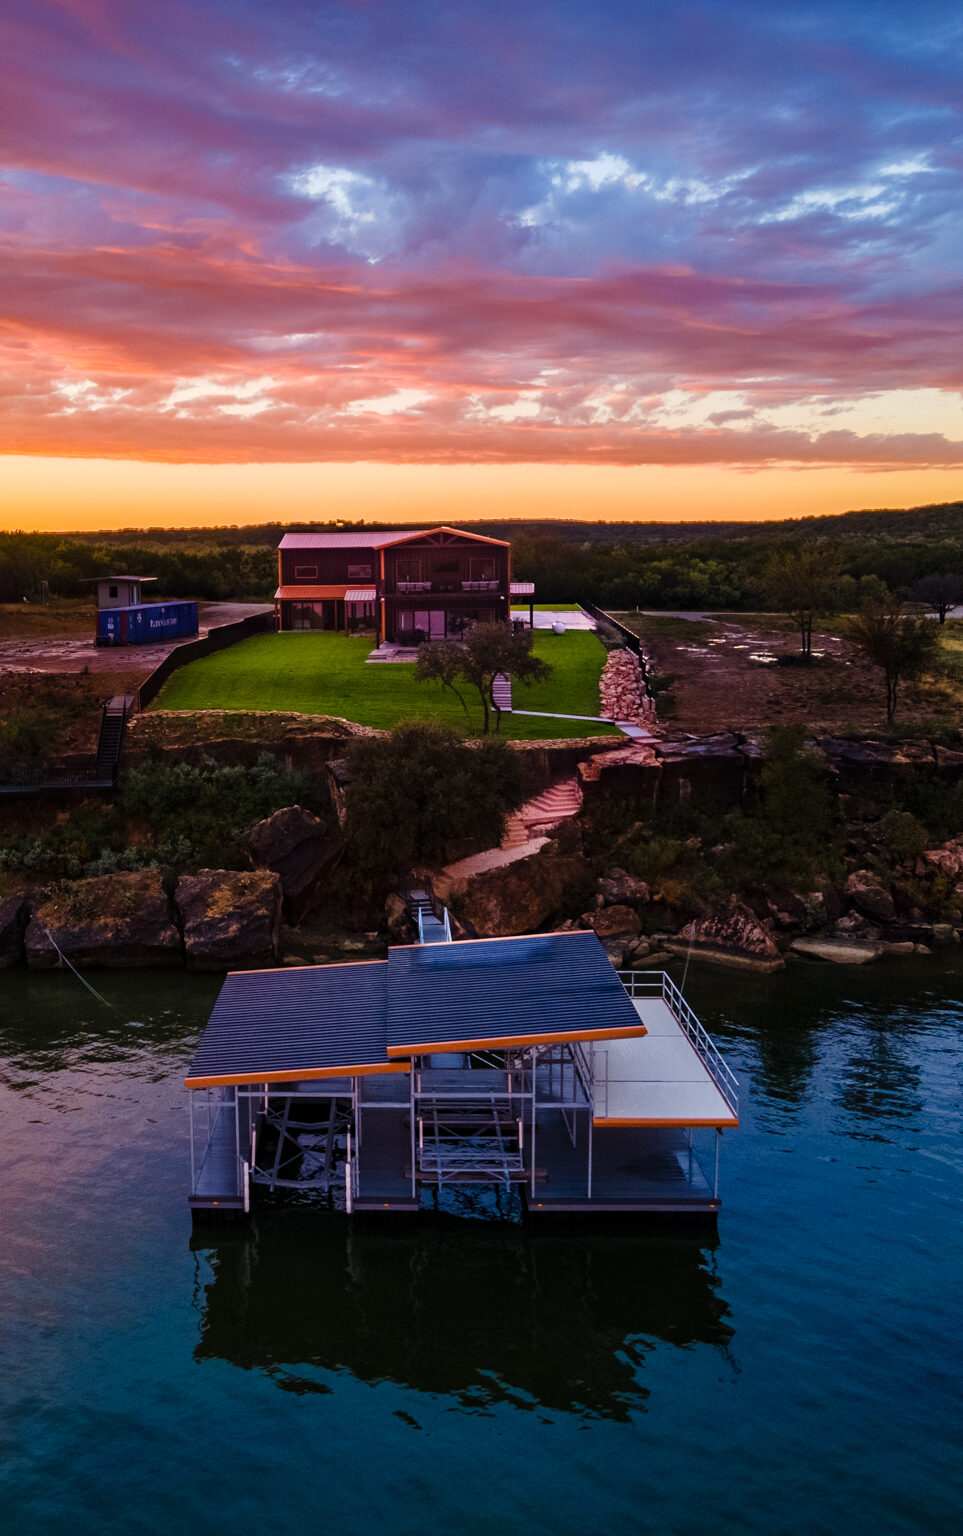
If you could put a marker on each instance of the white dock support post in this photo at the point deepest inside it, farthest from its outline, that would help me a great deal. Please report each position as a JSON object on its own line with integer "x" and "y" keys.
{"x": 591, "y": 1117}
{"x": 534, "y": 1096}
{"x": 348, "y": 1191}
{"x": 715, "y": 1180}
{"x": 190, "y": 1103}
{"x": 246, "y": 1174}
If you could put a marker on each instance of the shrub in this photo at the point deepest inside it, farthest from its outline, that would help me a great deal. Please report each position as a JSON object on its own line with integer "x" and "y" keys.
{"x": 421, "y": 794}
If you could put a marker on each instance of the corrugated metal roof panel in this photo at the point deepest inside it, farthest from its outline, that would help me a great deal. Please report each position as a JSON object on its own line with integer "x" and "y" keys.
{"x": 308, "y": 594}
{"x": 523, "y": 589}
{"x": 370, "y": 540}
{"x": 360, "y": 595}
{"x": 312, "y": 1019}
{"x": 498, "y": 990}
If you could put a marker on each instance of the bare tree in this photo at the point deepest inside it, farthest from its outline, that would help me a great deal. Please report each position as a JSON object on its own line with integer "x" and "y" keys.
{"x": 903, "y": 645}
{"x": 802, "y": 579}
{"x": 941, "y": 591}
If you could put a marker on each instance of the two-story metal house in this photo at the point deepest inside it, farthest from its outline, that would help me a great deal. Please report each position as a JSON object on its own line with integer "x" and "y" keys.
{"x": 407, "y": 585}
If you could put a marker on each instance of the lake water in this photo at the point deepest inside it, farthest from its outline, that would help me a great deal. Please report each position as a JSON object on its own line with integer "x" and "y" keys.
{"x": 799, "y": 1372}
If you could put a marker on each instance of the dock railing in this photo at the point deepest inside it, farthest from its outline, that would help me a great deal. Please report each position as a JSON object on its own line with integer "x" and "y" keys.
{"x": 660, "y": 984}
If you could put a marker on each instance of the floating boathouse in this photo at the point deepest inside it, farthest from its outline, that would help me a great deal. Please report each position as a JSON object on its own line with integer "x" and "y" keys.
{"x": 521, "y": 1063}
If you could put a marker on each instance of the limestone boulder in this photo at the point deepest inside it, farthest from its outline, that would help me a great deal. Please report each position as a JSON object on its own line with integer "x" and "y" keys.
{"x": 948, "y": 858}
{"x": 617, "y": 887}
{"x": 613, "y": 923}
{"x": 13, "y": 921}
{"x": 787, "y": 910}
{"x": 839, "y": 951}
{"x": 731, "y": 935}
{"x": 231, "y": 920}
{"x": 401, "y": 929}
{"x": 509, "y": 898}
{"x": 869, "y": 896}
{"x": 299, "y": 848}
{"x": 113, "y": 920}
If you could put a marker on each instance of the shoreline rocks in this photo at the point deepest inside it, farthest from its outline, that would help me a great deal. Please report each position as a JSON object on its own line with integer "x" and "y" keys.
{"x": 731, "y": 936}
{"x": 231, "y": 919}
{"x": 114, "y": 921}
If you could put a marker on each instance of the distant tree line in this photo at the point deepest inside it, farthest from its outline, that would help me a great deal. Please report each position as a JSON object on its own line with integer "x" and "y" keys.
{"x": 646, "y": 565}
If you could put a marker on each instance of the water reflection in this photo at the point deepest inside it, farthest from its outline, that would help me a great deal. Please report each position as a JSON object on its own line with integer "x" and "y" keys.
{"x": 551, "y": 1321}
{"x": 880, "y": 1079}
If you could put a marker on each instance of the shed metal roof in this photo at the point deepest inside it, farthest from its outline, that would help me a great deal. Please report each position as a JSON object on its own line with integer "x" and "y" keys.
{"x": 498, "y": 992}
{"x": 313, "y": 1021}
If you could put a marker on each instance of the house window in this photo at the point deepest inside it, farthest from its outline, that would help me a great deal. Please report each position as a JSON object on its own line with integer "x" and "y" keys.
{"x": 112, "y": 591}
{"x": 359, "y": 573}
{"x": 408, "y": 568}
{"x": 482, "y": 568}
{"x": 305, "y": 573}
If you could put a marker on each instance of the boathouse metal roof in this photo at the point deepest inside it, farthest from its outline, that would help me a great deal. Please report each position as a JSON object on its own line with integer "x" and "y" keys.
{"x": 372, "y": 1016}
{"x": 313, "y": 1021}
{"x": 501, "y": 992}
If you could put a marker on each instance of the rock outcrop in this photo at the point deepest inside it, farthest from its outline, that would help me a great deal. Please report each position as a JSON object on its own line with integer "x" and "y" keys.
{"x": 616, "y": 928}
{"x": 869, "y": 897}
{"x": 231, "y": 920}
{"x": 299, "y": 848}
{"x": 617, "y": 887}
{"x": 13, "y": 921}
{"x": 840, "y": 951}
{"x": 948, "y": 858}
{"x": 401, "y": 929}
{"x": 732, "y": 935}
{"x": 113, "y": 920}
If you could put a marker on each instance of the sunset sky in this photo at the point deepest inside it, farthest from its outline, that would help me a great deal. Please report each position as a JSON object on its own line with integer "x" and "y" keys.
{"x": 313, "y": 259}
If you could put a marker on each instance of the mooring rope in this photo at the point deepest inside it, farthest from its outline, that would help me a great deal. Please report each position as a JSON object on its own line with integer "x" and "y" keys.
{"x": 64, "y": 961}
{"x": 688, "y": 956}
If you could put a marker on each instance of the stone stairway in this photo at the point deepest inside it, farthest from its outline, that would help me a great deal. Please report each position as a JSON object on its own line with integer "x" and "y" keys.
{"x": 540, "y": 815}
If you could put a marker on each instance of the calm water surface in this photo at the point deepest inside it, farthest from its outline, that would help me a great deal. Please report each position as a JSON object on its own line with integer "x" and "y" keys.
{"x": 800, "y": 1372}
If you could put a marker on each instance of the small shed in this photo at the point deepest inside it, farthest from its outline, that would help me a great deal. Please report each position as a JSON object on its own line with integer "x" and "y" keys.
{"x": 119, "y": 591}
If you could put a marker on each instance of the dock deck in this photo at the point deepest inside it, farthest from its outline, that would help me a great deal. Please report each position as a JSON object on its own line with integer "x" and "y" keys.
{"x": 659, "y": 1079}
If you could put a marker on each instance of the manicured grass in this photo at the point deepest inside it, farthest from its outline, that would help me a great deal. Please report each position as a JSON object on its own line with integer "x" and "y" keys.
{"x": 327, "y": 675}
{"x": 547, "y": 608}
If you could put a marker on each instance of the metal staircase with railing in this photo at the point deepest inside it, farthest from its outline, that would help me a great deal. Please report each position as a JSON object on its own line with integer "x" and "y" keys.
{"x": 110, "y": 742}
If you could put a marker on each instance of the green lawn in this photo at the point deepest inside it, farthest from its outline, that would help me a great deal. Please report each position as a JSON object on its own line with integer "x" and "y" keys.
{"x": 548, "y": 608}
{"x": 326, "y": 675}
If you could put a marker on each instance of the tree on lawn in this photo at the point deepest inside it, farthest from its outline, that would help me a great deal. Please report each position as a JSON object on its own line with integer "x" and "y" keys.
{"x": 941, "y": 591}
{"x": 903, "y": 645}
{"x": 441, "y": 661}
{"x": 489, "y": 650}
{"x": 802, "y": 579}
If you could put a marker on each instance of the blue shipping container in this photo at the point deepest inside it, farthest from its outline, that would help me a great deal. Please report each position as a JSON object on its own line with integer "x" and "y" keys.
{"x": 146, "y": 624}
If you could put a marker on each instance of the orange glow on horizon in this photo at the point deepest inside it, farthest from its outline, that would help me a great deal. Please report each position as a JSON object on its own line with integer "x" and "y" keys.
{"x": 76, "y": 494}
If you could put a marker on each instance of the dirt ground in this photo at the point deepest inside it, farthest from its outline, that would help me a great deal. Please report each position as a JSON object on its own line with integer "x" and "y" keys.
{"x": 735, "y": 671}
{"x": 60, "y": 638}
